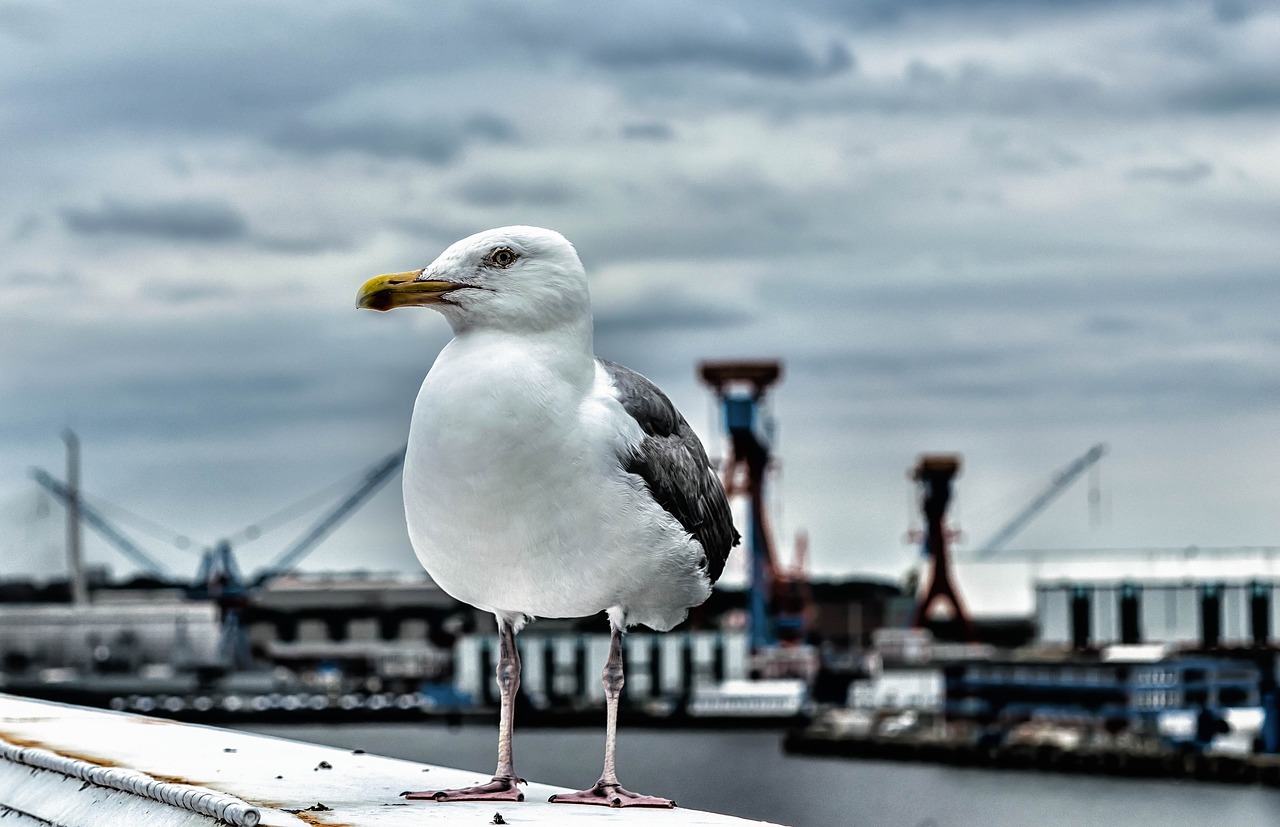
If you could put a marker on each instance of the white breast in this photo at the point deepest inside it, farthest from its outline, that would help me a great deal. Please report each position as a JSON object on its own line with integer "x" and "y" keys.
{"x": 514, "y": 497}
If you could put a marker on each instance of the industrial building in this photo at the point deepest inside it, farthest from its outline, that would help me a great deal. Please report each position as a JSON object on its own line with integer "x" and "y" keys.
{"x": 1184, "y": 614}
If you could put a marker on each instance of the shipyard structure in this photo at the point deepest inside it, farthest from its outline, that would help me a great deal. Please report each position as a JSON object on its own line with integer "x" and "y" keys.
{"x": 230, "y": 642}
{"x": 1149, "y": 675}
{"x": 1131, "y": 676}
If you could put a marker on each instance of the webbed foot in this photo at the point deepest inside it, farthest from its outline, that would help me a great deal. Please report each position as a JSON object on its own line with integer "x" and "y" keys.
{"x": 611, "y": 795}
{"x": 501, "y": 788}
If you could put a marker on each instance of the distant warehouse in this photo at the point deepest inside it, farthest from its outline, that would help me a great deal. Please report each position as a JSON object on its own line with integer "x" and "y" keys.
{"x": 1181, "y": 614}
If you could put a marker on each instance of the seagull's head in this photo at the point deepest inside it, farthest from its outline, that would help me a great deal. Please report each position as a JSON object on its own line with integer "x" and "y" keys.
{"x": 521, "y": 278}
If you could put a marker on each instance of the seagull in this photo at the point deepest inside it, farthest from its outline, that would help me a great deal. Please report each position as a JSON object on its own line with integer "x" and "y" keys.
{"x": 543, "y": 481}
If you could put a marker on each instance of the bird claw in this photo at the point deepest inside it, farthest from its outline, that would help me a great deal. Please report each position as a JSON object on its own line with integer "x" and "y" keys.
{"x": 501, "y": 788}
{"x": 611, "y": 795}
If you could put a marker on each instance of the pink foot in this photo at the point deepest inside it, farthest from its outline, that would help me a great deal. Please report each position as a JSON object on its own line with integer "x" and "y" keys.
{"x": 611, "y": 795}
{"x": 501, "y": 788}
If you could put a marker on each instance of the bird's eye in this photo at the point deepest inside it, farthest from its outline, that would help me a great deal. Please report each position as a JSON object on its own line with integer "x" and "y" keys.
{"x": 503, "y": 257}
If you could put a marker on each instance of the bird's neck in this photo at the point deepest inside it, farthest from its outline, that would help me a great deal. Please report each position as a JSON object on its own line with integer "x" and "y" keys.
{"x": 565, "y": 348}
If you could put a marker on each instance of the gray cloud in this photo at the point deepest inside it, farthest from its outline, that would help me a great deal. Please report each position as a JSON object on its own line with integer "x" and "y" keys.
{"x": 648, "y": 131}
{"x": 1107, "y": 324}
{"x": 233, "y": 371}
{"x": 704, "y": 216}
{"x": 180, "y": 293}
{"x": 903, "y": 13}
{"x": 1230, "y": 90}
{"x": 1191, "y": 294}
{"x": 665, "y": 315}
{"x": 30, "y": 22}
{"x": 197, "y": 221}
{"x": 489, "y": 191}
{"x": 1231, "y": 12}
{"x": 661, "y": 36}
{"x": 1190, "y": 172}
{"x": 1047, "y": 387}
{"x": 303, "y": 244}
{"x": 1023, "y": 153}
{"x": 1146, "y": 357}
{"x": 25, "y": 227}
{"x": 207, "y": 72}
{"x": 761, "y": 56}
{"x": 978, "y": 86}
{"x": 434, "y": 141}
{"x": 262, "y": 87}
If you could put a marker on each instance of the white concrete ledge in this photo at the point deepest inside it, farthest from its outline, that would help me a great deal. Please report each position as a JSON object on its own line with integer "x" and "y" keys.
{"x": 223, "y": 807}
{"x": 75, "y": 767}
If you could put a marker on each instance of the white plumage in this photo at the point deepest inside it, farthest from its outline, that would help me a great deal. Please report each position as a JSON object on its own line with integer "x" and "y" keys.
{"x": 542, "y": 481}
{"x": 515, "y": 499}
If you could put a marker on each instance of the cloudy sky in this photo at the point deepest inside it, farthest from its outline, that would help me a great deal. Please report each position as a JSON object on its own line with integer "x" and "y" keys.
{"x": 1007, "y": 229}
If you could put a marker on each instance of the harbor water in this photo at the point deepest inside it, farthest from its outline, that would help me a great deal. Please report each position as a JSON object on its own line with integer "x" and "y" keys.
{"x": 745, "y": 773}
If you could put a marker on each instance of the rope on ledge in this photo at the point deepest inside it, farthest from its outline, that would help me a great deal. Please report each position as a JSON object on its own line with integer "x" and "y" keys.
{"x": 225, "y": 808}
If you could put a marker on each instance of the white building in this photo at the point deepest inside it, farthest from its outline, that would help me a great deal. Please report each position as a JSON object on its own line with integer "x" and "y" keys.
{"x": 1192, "y": 613}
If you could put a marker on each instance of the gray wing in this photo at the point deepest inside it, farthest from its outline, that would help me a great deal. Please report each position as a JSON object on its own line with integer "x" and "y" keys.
{"x": 673, "y": 463}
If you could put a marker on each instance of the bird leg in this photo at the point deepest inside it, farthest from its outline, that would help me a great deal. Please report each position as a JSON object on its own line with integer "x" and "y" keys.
{"x": 607, "y": 791}
{"x": 503, "y": 786}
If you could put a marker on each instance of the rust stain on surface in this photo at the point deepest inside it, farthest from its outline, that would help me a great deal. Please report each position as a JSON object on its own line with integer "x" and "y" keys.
{"x": 315, "y": 819}
{"x": 79, "y": 756}
{"x": 94, "y": 759}
{"x": 21, "y": 742}
{"x": 318, "y": 820}
{"x": 30, "y": 719}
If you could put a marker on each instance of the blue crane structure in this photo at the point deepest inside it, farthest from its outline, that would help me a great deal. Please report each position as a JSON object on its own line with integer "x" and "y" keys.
{"x": 219, "y": 576}
{"x": 777, "y": 600}
{"x": 218, "y": 563}
{"x": 218, "y": 566}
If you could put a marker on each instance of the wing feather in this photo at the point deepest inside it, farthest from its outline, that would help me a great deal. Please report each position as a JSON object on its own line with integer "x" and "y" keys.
{"x": 674, "y": 465}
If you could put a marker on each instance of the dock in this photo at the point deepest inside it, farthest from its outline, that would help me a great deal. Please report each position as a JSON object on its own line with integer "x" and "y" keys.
{"x": 75, "y": 767}
{"x": 826, "y": 737}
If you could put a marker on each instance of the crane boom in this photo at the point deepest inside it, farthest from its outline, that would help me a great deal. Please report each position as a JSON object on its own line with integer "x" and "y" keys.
{"x": 293, "y": 555}
{"x": 96, "y": 521}
{"x": 1061, "y": 481}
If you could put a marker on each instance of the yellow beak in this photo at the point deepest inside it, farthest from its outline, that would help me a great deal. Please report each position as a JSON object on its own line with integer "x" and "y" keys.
{"x": 401, "y": 290}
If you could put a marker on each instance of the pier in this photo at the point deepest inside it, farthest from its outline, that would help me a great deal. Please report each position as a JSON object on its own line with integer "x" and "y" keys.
{"x": 76, "y": 767}
{"x": 828, "y": 737}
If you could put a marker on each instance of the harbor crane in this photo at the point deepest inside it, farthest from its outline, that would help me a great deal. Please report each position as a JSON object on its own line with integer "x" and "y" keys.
{"x": 218, "y": 563}
{"x": 1062, "y": 480}
{"x": 219, "y": 566}
{"x": 374, "y": 479}
{"x": 100, "y": 524}
{"x": 219, "y": 576}
{"x": 778, "y": 599}
{"x": 933, "y": 476}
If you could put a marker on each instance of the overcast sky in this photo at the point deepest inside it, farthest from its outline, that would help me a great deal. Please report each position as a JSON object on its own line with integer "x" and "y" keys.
{"x": 1007, "y": 229}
